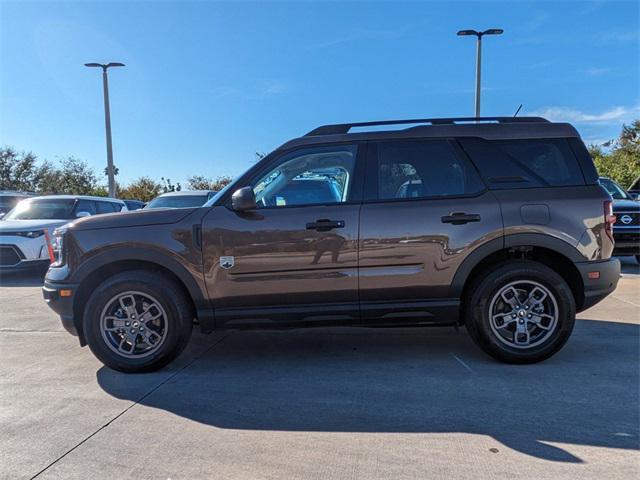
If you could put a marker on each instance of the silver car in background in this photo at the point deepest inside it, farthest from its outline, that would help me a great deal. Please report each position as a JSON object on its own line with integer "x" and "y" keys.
{"x": 26, "y": 231}
{"x": 181, "y": 199}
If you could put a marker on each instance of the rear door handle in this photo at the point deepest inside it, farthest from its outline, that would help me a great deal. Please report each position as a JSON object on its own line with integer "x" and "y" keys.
{"x": 460, "y": 218}
{"x": 324, "y": 225}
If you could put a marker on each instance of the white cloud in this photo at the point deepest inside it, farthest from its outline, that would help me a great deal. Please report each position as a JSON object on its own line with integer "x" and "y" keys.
{"x": 595, "y": 71}
{"x": 258, "y": 90}
{"x": 568, "y": 114}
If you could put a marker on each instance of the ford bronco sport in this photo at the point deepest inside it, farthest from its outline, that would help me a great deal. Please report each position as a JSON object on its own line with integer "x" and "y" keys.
{"x": 495, "y": 223}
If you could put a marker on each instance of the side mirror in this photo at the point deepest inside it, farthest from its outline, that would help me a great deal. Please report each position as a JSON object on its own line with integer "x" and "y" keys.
{"x": 243, "y": 199}
{"x": 82, "y": 214}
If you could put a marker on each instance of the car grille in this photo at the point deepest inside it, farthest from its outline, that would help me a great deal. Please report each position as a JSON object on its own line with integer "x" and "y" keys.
{"x": 626, "y": 237}
{"x": 635, "y": 219}
{"x": 10, "y": 255}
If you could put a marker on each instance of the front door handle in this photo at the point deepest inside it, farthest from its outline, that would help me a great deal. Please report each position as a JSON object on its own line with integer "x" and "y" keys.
{"x": 460, "y": 218}
{"x": 324, "y": 225}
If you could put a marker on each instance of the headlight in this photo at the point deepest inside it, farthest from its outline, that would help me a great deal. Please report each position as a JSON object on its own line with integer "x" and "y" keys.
{"x": 57, "y": 246}
{"x": 31, "y": 233}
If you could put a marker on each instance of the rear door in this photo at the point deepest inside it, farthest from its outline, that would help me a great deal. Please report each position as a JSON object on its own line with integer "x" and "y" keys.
{"x": 294, "y": 258}
{"x": 425, "y": 210}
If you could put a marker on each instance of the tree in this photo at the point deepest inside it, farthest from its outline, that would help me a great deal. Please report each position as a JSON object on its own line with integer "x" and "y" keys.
{"x": 18, "y": 171}
{"x": 143, "y": 188}
{"x": 200, "y": 182}
{"x": 621, "y": 162}
{"x": 74, "y": 177}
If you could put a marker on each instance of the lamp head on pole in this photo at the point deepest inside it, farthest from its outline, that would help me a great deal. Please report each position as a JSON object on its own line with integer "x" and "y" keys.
{"x": 104, "y": 66}
{"x": 475, "y": 33}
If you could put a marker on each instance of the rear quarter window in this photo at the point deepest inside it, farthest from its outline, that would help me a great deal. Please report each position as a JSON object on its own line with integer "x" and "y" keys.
{"x": 525, "y": 163}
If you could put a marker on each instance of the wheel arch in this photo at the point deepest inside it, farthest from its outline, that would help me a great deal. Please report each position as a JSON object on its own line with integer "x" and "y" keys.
{"x": 94, "y": 271}
{"x": 553, "y": 252}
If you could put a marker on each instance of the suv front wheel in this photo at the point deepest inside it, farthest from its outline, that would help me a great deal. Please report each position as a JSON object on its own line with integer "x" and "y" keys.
{"x": 137, "y": 321}
{"x": 521, "y": 312}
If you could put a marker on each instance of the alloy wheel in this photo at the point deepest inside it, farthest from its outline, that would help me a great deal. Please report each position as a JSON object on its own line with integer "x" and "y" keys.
{"x": 523, "y": 314}
{"x": 133, "y": 324}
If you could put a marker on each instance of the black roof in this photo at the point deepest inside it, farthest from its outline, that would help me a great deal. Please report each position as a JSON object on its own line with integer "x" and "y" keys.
{"x": 492, "y": 128}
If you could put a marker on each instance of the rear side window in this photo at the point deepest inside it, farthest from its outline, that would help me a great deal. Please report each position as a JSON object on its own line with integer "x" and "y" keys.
{"x": 425, "y": 168}
{"x": 86, "y": 206}
{"x": 525, "y": 163}
{"x": 105, "y": 207}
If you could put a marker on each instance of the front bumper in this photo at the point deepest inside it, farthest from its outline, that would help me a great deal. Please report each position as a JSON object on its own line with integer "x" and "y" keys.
{"x": 24, "y": 265}
{"x": 59, "y": 297}
{"x": 627, "y": 241}
{"x": 596, "y": 289}
{"x": 18, "y": 253}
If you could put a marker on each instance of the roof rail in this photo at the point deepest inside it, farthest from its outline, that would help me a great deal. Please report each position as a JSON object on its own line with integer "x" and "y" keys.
{"x": 345, "y": 127}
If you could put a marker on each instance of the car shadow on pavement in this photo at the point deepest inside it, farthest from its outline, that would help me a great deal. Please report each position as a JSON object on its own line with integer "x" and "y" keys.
{"x": 410, "y": 381}
{"x": 22, "y": 279}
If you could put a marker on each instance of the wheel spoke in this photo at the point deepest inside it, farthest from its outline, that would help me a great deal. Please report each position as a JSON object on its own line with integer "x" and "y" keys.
{"x": 521, "y": 335}
{"x": 536, "y": 297}
{"x": 128, "y": 304}
{"x": 511, "y": 299}
{"x": 148, "y": 335}
{"x": 542, "y": 320}
{"x": 122, "y": 340}
{"x": 115, "y": 321}
{"x": 149, "y": 314}
{"x": 506, "y": 320}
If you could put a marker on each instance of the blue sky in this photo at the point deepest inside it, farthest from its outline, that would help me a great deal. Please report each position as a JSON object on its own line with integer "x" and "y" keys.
{"x": 207, "y": 84}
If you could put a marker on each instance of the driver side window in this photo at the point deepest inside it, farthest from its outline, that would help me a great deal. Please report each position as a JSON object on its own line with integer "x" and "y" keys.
{"x": 321, "y": 175}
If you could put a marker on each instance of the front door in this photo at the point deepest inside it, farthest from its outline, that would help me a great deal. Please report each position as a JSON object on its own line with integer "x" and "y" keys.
{"x": 295, "y": 257}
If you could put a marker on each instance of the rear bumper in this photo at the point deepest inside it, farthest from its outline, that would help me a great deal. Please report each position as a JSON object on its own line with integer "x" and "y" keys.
{"x": 59, "y": 299}
{"x": 596, "y": 289}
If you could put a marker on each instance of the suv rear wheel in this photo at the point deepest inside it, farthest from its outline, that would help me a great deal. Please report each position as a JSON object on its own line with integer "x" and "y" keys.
{"x": 137, "y": 321}
{"x": 521, "y": 312}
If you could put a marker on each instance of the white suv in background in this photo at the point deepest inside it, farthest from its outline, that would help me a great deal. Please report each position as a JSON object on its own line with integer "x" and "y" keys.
{"x": 26, "y": 231}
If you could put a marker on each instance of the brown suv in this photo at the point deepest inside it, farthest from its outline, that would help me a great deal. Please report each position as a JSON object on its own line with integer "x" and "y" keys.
{"x": 495, "y": 223}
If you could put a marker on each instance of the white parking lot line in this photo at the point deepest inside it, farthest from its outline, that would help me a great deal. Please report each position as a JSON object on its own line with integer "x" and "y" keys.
{"x": 461, "y": 362}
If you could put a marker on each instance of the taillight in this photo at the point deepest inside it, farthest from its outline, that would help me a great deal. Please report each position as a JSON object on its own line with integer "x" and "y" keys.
{"x": 609, "y": 218}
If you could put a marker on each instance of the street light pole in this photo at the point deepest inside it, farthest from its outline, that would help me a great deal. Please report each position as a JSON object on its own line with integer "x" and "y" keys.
{"x": 479, "y": 35}
{"x": 478, "y": 73}
{"x": 107, "y": 122}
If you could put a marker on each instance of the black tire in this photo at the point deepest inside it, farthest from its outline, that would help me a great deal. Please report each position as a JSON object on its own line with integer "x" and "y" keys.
{"x": 172, "y": 299}
{"x": 484, "y": 289}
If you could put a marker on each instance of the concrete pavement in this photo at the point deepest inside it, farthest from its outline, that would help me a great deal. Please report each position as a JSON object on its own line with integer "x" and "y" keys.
{"x": 321, "y": 403}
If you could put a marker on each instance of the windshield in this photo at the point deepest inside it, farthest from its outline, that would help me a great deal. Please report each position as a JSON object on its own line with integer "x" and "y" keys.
{"x": 177, "y": 201}
{"x": 43, "y": 209}
{"x": 220, "y": 193}
{"x": 7, "y": 202}
{"x": 615, "y": 190}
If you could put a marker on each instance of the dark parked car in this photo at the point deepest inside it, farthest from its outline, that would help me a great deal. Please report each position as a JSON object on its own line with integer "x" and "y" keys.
{"x": 634, "y": 189}
{"x": 499, "y": 224}
{"x": 626, "y": 230}
{"x": 134, "y": 204}
{"x": 181, "y": 199}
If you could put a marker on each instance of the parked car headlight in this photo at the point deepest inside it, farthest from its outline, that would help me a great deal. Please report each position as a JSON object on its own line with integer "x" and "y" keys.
{"x": 31, "y": 233}
{"x": 57, "y": 246}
